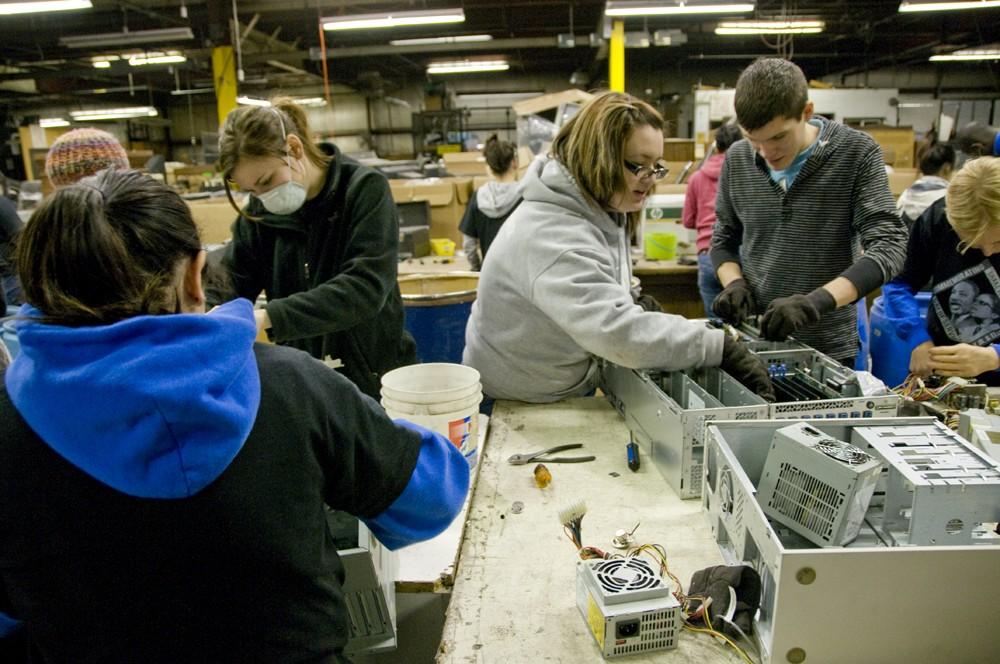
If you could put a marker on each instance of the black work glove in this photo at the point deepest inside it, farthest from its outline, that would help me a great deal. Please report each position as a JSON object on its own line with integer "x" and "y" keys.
{"x": 735, "y": 303}
{"x": 744, "y": 366}
{"x": 649, "y": 303}
{"x": 787, "y": 314}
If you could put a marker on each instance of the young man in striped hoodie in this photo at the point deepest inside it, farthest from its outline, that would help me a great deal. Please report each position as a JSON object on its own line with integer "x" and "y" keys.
{"x": 805, "y": 221}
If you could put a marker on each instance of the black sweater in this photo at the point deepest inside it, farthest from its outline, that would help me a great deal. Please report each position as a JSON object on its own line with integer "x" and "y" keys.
{"x": 329, "y": 272}
{"x": 243, "y": 571}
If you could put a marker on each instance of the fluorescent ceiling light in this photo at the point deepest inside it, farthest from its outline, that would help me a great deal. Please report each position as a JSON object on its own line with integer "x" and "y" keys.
{"x": 946, "y": 6}
{"x": 663, "y": 8}
{"x": 309, "y": 101}
{"x": 9, "y": 8}
{"x": 393, "y": 19}
{"x": 156, "y": 58}
{"x": 968, "y": 54}
{"x": 467, "y": 66}
{"x": 53, "y": 122}
{"x": 114, "y": 113}
{"x": 423, "y": 41}
{"x": 252, "y": 101}
{"x": 127, "y": 37}
{"x": 770, "y": 28}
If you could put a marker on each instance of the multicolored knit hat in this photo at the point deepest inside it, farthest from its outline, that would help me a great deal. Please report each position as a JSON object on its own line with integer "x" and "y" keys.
{"x": 82, "y": 152}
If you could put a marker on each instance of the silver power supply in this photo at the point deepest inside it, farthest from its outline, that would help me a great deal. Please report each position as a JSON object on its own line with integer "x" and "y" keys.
{"x": 626, "y": 606}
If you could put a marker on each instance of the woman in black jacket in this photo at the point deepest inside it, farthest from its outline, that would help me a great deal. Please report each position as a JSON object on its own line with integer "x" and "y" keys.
{"x": 319, "y": 235}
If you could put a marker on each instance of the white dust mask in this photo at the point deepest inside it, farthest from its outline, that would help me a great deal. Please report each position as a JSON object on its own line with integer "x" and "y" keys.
{"x": 289, "y": 196}
{"x": 286, "y": 198}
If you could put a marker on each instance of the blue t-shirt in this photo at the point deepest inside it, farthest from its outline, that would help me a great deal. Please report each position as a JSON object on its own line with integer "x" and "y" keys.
{"x": 787, "y": 176}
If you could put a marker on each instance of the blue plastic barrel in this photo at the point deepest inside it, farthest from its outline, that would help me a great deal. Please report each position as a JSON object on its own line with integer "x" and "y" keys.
{"x": 436, "y": 308}
{"x": 890, "y": 350}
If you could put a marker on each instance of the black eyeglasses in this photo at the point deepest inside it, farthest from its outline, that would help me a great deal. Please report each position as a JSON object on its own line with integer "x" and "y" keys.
{"x": 657, "y": 171}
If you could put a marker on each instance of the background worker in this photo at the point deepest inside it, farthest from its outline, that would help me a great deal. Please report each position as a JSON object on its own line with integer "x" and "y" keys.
{"x": 937, "y": 163}
{"x": 492, "y": 203}
{"x": 699, "y": 210}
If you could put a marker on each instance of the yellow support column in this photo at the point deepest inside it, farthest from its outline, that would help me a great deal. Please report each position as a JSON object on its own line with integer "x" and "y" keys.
{"x": 224, "y": 76}
{"x": 616, "y": 57}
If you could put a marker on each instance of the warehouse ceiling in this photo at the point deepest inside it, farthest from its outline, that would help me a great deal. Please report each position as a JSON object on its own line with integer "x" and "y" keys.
{"x": 280, "y": 45}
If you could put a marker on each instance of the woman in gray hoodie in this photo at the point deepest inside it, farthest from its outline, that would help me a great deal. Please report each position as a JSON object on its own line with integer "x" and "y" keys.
{"x": 554, "y": 297}
{"x": 493, "y": 202}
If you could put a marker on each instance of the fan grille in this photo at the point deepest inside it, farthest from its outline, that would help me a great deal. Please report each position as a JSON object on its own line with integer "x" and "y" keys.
{"x": 841, "y": 451}
{"x": 626, "y": 574}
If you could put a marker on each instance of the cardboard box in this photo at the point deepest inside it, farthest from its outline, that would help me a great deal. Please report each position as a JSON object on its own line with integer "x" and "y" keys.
{"x": 465, "y": 163}
{"x": 447, "y": 197}
{"x": 550, "y": 101}
{"x": 678, "y": 149}
{"x": 897, "y": 144}
{"x": 900, "y": 179}
{"x": 214, "y": 217}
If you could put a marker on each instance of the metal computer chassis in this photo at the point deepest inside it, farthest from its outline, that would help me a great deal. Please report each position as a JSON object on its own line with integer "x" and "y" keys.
{"x": 666, "y": 411}
{"x": 866, "y": 602}
{"x": 666, "y": 414}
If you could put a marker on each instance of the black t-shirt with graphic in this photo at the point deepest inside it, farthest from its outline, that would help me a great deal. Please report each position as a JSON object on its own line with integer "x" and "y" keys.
{"x": 965, "y": 301}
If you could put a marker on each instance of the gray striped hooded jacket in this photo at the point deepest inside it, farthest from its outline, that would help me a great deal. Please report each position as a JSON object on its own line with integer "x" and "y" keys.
{"x": 791, "y": 242}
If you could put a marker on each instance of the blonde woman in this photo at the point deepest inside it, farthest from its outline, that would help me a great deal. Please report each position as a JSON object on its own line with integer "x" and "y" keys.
{"x": 955, "y": 245}
{"x": 554, "y": 297}
{"x": 320, "y": 236}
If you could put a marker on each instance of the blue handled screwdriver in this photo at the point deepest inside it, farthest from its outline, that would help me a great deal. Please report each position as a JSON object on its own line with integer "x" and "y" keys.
{"x": 632, "y": 450}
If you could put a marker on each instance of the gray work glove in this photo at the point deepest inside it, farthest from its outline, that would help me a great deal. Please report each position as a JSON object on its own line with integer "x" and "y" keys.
{"x": 735, "y": 303}
{"x": 744, "y": 366}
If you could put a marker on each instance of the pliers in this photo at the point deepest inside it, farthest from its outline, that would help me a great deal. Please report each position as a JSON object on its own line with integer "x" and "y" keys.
{"x": 521, "y": 459}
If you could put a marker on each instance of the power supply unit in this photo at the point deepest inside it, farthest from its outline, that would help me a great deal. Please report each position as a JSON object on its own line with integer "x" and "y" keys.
{"x": 817, "y": 485}
{"x": 626, "y": 606}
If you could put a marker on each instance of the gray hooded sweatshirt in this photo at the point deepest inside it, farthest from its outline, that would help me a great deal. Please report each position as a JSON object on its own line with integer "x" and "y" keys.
{"x": 554, "y": 298}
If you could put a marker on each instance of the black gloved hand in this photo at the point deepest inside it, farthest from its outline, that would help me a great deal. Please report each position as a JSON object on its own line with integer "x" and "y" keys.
{"x": 744, "y": 366}
{"x": 735, "y": 303}
{"x": 787, "y": 314}
{"x": 649, "y": 303}
{"x": 715, "y": 582}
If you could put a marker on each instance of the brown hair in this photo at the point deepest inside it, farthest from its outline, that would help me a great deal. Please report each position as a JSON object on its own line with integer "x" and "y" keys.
{"x": 592, "y": 144}
{"x": 973, "y": 200}
{"x": 500, "y": 155}
{"x": 261, "y": 131}
{"x": 770, "y": 88}
{"x": 105, "y": 249}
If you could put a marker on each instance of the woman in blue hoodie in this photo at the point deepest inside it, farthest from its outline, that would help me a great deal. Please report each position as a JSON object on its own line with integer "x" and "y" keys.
{"x": 164, "y": 480}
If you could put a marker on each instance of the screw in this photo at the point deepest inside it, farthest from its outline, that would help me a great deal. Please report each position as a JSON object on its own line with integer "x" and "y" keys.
{"x": 805, "y": 576}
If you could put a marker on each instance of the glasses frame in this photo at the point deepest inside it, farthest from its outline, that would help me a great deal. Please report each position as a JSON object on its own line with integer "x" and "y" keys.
{"x": 658, "y": 171}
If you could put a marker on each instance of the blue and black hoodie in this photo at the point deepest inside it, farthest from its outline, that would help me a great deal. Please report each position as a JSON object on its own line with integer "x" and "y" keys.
{"x": 164, "y": 483}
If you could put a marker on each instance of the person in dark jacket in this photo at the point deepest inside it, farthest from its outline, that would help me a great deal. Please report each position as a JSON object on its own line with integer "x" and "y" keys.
{"x": 164, "y": 480}
{"x": 320, "y": 236}
{"x": 10, "y": 226}
{"x": 954, "y": 245}
{"x": 493, "y": 202}
{"x": 937, "y": 163}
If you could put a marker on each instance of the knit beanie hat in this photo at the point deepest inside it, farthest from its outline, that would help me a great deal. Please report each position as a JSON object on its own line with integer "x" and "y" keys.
{"x": 82, "y": 152}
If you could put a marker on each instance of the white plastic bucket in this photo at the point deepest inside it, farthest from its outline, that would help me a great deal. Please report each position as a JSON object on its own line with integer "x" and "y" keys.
{"x": 442, "y": 397}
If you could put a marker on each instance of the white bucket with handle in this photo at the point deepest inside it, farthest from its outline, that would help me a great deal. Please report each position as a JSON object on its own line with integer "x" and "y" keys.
{"x": 439, "y": 396}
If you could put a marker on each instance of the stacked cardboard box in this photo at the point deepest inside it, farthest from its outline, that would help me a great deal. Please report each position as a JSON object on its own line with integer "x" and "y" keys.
{"x": 446, "y": 196}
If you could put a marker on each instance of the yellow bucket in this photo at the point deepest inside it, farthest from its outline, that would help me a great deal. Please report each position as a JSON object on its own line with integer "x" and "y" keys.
{"x": 660, "y": 246}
